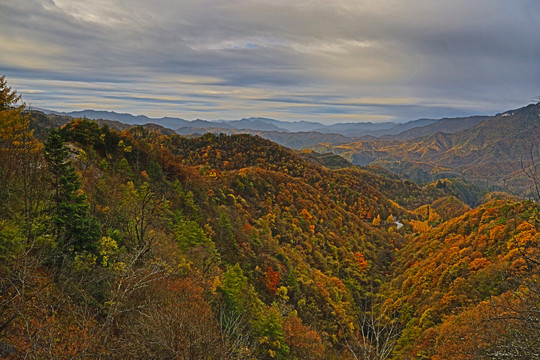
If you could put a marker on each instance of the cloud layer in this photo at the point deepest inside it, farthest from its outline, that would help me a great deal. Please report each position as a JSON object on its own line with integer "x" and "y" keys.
{"x": 344, "y": 60}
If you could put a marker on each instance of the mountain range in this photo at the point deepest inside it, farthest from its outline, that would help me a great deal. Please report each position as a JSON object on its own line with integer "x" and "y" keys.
{"x": 291, "y": 134}
{"x": 487, "y": 150}
{"x": 196, "y": 233}
{"x": 134, "y": 242}
{"x": 252, "y": 123}
{"x": 490, "y": 151}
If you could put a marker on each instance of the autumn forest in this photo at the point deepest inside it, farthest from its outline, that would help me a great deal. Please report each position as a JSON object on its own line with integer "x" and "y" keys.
{"x": 139, "y": 243}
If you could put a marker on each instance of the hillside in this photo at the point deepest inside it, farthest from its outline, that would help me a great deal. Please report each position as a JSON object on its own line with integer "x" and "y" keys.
{"x": 293, "y": 140}
{"x": 232, "y": 226}
{"x": 42, "y": 123}
{"x": 446, "y": 125}
{"x": 135, "y": 243}
{"x": 295, "y": 135}
{"x": 488, "y": 154}
{"x": 466, "y": 289}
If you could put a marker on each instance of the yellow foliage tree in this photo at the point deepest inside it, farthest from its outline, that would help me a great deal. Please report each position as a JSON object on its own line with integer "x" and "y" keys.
{"x": 19, "y": 155}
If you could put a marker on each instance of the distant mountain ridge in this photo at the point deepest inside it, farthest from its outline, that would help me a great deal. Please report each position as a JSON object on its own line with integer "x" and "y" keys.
{"x": 291, "y": 134}
{"x": 489, "y": 153}
{"x": 42, "y": 121}
{"x": 130, "y": 119}
{"x": 445, "y": 125}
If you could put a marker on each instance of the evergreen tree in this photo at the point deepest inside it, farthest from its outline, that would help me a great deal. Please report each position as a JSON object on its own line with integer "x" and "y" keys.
{"x": 8, "y": 97}
{"x": 75, "y": 231}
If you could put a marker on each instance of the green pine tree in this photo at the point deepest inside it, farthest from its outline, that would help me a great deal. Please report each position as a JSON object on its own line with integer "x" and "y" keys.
{"x": 75, "y": 230}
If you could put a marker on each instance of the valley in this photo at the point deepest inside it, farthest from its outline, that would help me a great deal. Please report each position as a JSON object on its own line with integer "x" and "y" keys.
{"x": 136, "y": 242}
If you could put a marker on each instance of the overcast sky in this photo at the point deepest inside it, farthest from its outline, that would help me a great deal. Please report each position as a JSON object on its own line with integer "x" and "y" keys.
{"x": 319, "y": 60}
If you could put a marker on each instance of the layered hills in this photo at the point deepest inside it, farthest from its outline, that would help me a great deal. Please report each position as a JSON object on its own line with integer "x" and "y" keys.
{"x": 491, "y": 153}
{"x": 154, "y": 231}
{"x": 423, "y": 150}
{"x": 291, "y": 134}
{"x": 133, "y": 242}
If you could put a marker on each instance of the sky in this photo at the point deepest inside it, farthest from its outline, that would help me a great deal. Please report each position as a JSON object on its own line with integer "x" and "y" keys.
{"x": 314, "y": 60}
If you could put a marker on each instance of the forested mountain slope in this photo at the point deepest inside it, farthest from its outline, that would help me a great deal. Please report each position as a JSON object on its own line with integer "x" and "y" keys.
{"x": 271, "y": 256}
{"x": 445, "y": 125}
{"x": 488, "y": 153}
{"x": 143, "y": 245}
{"x": 468, "y": 288}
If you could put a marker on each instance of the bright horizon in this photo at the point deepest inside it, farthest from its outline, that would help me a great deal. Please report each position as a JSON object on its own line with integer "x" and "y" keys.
{"x": 256, "y": 117}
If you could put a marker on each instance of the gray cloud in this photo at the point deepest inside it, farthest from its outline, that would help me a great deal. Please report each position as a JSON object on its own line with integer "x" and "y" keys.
{"x": 344, "y": 60}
